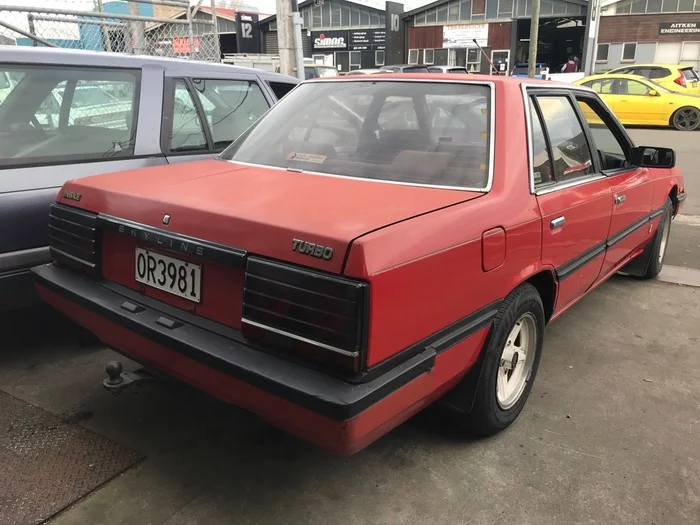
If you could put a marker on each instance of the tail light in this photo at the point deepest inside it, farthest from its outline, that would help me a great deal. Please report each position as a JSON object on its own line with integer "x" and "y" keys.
{"x": 73, "y": 238}
{"x": 305, "y": 314}
{"x": 681, "y": 79}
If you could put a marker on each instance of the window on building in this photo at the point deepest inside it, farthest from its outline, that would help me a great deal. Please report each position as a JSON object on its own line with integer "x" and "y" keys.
{"x": 492, "y": 9}
{"x": 570, "y": 152}
{"x": 505, "y": 8}
{"x": 374, "y": 18}
{"x": 473, "y": 61}
{"x": 420, "y": 19}
{"x": 354, "y": 17}
{"x": 355, "y": 60}
{"x": 335, "y": 15}
{"x": 306, "y": 15}
{"x": 669, "y": 6}
{"x": 465, "y": 10}
{"x": 382, "y": 19}
{"x": 379, "y": 58}
{"x": 453, "y": 12}
{"x": 345, "y": 16}
{"x": 326, "y": 14}
{"x": 442, "y": 13}
{"x": 273, "y": 25}
{"x": 686, "y": 5}
{"x": 602, "y": 53}
{"x": 654, "y": 6}
{"x": 624, "y": 7}
{"x": 629, "y": 51}
{"x": 413, "y": 56}
{"x": 428, "y": 56}
{"x": 431, "y": 16}
{"x": 364, "y": 17}
{"x": 639, "y": 6}
{"x": 317, "y": 22}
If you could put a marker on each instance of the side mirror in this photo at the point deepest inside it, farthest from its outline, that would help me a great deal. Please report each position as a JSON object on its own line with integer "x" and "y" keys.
{"x": 653, "y": 93}
{"x": 650, "y": 157}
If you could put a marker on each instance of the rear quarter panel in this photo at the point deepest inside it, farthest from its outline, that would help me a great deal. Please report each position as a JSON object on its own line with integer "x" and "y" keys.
{"x": 426, "y": 273}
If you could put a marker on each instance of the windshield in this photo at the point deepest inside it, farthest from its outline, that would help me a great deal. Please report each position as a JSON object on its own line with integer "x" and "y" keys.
{"x": 409, "y": 132}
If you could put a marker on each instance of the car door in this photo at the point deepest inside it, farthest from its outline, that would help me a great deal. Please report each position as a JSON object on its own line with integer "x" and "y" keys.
{"x": 574, "y": 199}
{"x": 204, "y": 115}
{"x": 636, "y": 103}
{"x": 50, "y": 133}
{"x": 632, "y": 188}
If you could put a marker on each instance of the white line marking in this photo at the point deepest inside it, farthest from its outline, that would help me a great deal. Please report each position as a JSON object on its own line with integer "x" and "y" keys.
{"x": 692, "y": 220}
{"x": 680, "y": 275}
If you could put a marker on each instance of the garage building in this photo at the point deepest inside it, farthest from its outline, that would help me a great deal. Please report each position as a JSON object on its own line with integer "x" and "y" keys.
{"x": 444, "y": 32}
{"x": 342, "y": 33}
{"x": 648, "y": 31}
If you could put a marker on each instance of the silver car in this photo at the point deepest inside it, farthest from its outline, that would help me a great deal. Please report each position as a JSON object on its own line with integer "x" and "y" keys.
{"x": 67, "y": 114}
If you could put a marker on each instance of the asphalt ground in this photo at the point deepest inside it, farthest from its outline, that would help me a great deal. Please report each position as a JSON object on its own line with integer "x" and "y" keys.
{"x": 610, "y": 434}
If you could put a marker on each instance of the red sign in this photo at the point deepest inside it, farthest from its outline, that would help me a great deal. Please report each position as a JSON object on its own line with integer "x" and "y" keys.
{"x": 182, "y": 45}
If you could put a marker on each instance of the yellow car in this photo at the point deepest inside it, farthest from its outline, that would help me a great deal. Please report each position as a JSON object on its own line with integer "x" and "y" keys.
{"x": 680, "y": 78}
{"x": 638, "y": 101}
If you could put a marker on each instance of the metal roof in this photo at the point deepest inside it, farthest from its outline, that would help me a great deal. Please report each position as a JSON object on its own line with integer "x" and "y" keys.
{"x": 176, "y": 66}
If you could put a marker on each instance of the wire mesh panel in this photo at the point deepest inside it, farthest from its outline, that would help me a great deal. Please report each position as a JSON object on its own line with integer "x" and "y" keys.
{"x": 151, "y": 27}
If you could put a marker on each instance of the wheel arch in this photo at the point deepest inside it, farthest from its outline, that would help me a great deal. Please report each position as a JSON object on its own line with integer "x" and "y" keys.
{"x": 546, "y": 285}
{"x": 673, "y": 195}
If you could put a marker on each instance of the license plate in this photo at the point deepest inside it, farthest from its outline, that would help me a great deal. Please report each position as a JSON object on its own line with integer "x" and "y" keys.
{"x": 174, "y": 276}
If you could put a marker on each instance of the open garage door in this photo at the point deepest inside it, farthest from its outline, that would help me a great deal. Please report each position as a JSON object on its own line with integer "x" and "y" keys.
{"x": 559, "y": 38}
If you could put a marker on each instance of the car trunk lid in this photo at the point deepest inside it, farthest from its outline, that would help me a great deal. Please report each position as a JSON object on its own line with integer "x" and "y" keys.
{"x": 299, "y": 218}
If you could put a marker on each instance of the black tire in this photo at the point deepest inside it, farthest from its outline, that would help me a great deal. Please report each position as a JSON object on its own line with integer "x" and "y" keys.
{"x": 487, "y": 417}
{"x": 686, "y": 119}
{"x": 656, "y": 249}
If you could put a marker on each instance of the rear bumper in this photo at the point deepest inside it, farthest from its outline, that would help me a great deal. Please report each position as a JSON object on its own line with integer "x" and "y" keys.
{"x": 339, "y": 416}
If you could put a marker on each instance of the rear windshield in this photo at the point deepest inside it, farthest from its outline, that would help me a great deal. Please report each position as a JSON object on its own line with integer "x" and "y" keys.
{"x": 689, "y": 74}
{"x": 409, "y": 132}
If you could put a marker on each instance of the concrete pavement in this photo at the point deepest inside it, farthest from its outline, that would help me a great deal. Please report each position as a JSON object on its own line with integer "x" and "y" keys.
{"x": 611, "y": 433}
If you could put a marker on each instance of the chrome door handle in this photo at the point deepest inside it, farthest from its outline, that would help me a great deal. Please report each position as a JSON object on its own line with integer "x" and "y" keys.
{"x": 557, "y": 223}
{"x": 619, "y": 199}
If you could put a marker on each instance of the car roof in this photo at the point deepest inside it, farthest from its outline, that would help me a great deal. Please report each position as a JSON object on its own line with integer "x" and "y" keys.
{"x": 456, "y": 77}
{"x": 607, "y": 76}
{"x": 74, "y": 57}
{"x": 658, "y": 66}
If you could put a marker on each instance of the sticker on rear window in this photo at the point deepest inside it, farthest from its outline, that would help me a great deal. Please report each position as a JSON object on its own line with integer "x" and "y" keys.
{"x": 306, "y": 157}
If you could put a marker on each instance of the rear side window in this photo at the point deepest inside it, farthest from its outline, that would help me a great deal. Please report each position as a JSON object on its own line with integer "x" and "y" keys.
{"x": 411, "y": 132}
{"x": 659, "y": 72}
{"x": 186, "y": 133}
{"x": 280, "y": 89}
{"x": 230, "y": 107}
{"x": 65, "y": 114}
{"x": 570, "y": 153}
{"x": 689, "y": 74}
{"x": 604, "y": 86}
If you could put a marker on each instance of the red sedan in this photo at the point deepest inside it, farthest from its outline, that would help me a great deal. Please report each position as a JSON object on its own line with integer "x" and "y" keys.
{"x": 367, "y": 247}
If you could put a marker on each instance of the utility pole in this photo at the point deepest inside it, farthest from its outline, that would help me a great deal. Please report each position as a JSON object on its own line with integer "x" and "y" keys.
{"x": 534, "y": 37}
{"x": 105, "y": 33}
{"x": 136, "y": 28}
{"x": 298, "y": 22}
{"x": 285, "y": 37}
{"x": 591, "y": 46}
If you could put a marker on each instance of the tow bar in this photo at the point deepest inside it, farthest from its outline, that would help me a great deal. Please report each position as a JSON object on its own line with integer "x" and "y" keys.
{"x": 117, "y": 381}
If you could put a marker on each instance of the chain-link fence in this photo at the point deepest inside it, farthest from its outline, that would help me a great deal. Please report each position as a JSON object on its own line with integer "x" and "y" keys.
{"x": 171, "y": 28}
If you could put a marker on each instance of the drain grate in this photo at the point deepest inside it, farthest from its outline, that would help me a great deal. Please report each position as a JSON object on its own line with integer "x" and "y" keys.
{"x": 46, "y": 464}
